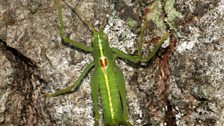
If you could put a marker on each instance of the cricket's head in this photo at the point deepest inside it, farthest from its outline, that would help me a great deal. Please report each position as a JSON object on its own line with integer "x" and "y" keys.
{"x": 100, "y": 39}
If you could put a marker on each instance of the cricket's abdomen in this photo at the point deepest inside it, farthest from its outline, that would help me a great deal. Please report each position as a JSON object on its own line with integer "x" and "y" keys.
{"x": 110, "y": 97}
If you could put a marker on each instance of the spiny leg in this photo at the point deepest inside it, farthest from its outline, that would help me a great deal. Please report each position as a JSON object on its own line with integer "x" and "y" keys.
{"x": 138, "y": 58}
{"x": 95, "y": 88}
{"x": 64, "y": 91}
{"x": 66, "y": 39}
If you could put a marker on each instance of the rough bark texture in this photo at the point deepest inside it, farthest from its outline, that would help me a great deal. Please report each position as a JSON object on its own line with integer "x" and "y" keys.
{"x": 183, "y": 86}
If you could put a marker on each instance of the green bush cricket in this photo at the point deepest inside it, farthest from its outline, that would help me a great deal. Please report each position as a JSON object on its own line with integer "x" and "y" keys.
{"x": 107, "y": 79}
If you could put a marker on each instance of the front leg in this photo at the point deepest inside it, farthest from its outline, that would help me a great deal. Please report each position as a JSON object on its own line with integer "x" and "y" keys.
{"x": 138, "y": 58}
{"x": 75, "y": 84}
{"x": 66, "y": 39}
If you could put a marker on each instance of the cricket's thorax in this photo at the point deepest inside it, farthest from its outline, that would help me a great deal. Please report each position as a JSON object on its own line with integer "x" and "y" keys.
{"x": 103, "y": 60}
{"x": 102, "y": 51}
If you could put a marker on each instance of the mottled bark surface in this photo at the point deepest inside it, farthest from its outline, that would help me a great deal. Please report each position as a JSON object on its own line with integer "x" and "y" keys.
{"x": 183, "y": 86}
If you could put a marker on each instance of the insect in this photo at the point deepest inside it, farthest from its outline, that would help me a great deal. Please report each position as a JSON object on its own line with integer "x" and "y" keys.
{"x": 107, "y": 79}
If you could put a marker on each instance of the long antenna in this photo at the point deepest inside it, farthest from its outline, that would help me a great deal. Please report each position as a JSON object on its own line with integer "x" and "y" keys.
{"x": 105, "y": 19}
{"x": 82, "y": 17}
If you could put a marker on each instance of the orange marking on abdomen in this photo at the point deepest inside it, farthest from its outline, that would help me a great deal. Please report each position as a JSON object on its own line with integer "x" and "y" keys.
{"x": 103, "y": 62}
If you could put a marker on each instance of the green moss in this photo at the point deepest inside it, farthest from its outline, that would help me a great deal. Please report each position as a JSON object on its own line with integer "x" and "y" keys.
{"x": 156, "y": 14}
{"x": 171, "y": 14}
{"x": 131, "y": 23}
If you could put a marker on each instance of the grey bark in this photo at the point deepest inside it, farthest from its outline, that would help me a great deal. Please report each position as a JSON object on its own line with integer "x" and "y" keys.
{"x": 35, "y": 61}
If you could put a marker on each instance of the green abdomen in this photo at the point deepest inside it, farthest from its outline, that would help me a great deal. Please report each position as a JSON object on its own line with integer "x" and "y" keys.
{"x": 110, "y": 97}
